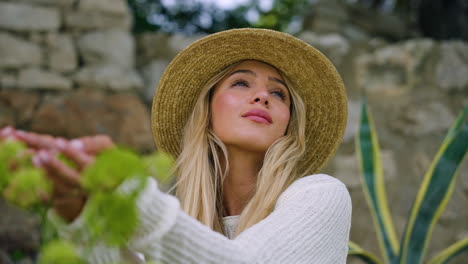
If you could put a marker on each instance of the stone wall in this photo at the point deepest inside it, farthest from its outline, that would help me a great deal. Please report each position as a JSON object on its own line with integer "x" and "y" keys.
{"x": 356, "y": 22}
{"x": 72, "y": 68}
{"x": 64, "y": 61}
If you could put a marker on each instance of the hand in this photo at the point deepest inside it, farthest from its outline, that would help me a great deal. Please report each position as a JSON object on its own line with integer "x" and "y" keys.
{"x": 34, "y": 141}
{"x": 68, "y": 197}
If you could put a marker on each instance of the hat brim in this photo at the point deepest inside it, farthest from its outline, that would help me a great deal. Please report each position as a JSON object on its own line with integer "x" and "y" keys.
{"x": 314, "y": 78}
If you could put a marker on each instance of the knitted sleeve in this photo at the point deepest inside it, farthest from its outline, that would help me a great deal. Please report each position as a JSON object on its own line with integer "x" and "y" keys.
{"x": 310, "y": 224}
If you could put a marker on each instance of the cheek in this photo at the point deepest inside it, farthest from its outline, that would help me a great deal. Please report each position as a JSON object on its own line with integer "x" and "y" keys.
{"x": 223, "y": 110}
{"x": 283, "y": 118}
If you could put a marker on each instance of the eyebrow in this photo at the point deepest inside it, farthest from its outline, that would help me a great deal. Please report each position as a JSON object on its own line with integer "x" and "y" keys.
{"x": 254, "y": 74}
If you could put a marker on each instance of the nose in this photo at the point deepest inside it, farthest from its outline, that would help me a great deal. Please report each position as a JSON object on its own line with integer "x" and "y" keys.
{"x": 260, "y": 97}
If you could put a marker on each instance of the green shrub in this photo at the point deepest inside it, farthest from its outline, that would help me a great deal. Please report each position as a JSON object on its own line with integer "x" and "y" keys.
{"x": 431, "y": 200}
{"x": 22, "y": 184}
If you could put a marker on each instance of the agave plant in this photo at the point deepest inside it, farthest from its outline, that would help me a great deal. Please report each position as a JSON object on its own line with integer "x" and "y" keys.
{"x": 431, "y": 200}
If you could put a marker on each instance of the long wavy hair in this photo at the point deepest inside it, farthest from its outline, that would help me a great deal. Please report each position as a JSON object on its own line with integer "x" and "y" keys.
{"x": 203, "y": 164}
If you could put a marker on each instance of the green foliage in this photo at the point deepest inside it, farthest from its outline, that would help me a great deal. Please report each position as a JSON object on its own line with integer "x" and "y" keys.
{"x": 159, "y": 165}
{"x": 107, "y": 202}
{"x": 9, "y": 151}
{"x": 59, "y": 252}
{"x": 113, "y": 182}
{"x": 194, "y": 17}
{"x": 111, "y": 168}
{"x": 430, "y": 202}
{"x": 26, "y": 186}
{"x": 357, "y": 251}
{"x": 66, "y": 160}
{"x": 17, "y": 255}
{"x": 282, "y": 14}
{"x": 449, "y": 253}
{"x": 20, "y": 182}
{"x": 111, "y": 217}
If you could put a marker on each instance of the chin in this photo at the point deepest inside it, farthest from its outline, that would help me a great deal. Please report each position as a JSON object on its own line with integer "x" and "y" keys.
{"x": 246, "y": 140}
{"x": 253, "y": 144}
{"x": 256, "y": 148}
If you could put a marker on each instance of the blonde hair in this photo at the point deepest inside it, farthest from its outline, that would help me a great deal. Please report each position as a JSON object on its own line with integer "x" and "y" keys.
{"x": 200, "y": 174}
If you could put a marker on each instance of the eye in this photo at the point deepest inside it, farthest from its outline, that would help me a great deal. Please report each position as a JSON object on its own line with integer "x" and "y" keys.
{"x": 280, "y": 94}
{"x": 240, "y": 83}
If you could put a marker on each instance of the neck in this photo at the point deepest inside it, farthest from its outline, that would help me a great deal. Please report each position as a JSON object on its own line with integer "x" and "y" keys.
{"x": 241, "y": 178}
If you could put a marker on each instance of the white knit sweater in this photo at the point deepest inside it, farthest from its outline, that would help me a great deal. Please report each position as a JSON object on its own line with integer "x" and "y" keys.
{"x": 310, "y": 224}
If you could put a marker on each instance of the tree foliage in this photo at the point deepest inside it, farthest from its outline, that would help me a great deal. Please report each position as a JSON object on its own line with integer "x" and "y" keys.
{"x": 438, "y": 19}
{"x": 194, "y": 17}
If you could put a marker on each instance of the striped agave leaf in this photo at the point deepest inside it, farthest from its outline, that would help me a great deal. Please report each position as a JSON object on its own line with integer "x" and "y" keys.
{"x": 435, "y": 192}
{"x": 367, "y": 257}
{"x": 368, "y": 153}
{"x": 449, "y": 253}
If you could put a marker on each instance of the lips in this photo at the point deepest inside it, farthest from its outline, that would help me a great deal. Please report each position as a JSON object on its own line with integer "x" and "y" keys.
{"x": 258, "y": 115}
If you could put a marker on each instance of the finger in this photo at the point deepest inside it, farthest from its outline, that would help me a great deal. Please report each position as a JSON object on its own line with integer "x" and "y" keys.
{"x": 59, "y": 171}
{"x": 36, "y": 161}
{"x": 93, "y": 145}
{"x": 79, "y": 157}
{"x": 6, "y": 132}
{"x": 37, "y": 141}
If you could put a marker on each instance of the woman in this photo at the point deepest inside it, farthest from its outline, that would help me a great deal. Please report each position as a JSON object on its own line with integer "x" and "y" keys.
{"x": 250, "y": 115}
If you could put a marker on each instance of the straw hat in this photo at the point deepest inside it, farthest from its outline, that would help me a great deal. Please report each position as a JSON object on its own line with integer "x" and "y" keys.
{"x": 312, "y": 74}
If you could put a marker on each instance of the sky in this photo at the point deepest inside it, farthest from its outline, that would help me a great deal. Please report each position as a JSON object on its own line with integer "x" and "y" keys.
{"x": 225, "y": 4}
{"x": 228, "y": 4}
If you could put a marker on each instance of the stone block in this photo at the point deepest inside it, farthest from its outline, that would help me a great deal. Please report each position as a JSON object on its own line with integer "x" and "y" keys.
{"x": 151, "y": 75}
{"x": 452, "y": 68}
{"x": 59, "y": 3}
{"x": 93, "y": 20}
{"x": 395, "y": 69}
{"x": 16, "y": 52}
{"x": 423, "y": 119}
{"x": 22, "y": 17}
{"x": 108, "y": 77}
{"x": 22, "y": 103}
{"x": 8, "y": 80}
{"x": 102, "y": 47}
{"x": 334, "y": 46}
{"x": 88, "y": 112}
{"x": 113, "y": 7}
{"x": 62, "y": 53}
{"x": 35, "y": 78}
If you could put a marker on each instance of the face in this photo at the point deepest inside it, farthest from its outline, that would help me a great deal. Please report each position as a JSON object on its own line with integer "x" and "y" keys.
{"x": 250, "y": 107}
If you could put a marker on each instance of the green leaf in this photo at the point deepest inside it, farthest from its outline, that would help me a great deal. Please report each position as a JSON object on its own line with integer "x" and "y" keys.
{"x": 59, "y": 252}
{"x": 159, "y": 165}
{"x": 368, "y": 153}
{"x": 435, "y": 192}
{"x": 451, "y": 252}
{"x": 66, "y": 160}
{"x": 111, "y": 217}
{"x": 357, "y": 251}
{"x": 9, "y": 150}
{"x": 111, "y": 168}
{"x": 26, "y": 186}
